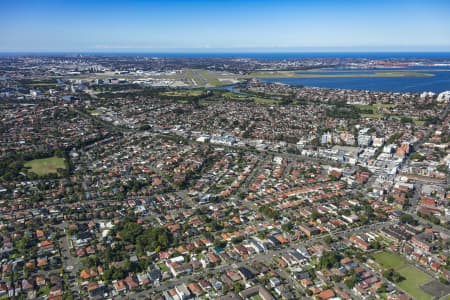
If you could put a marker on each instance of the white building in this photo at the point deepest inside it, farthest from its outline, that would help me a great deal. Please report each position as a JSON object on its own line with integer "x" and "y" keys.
{"x": 364, "y": 140}
{"x": 444, "y": 97}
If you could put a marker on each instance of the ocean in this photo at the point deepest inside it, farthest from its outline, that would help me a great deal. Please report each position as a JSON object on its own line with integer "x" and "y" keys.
{"x": 255, "y": 55}
{"x": 439, "y": 82}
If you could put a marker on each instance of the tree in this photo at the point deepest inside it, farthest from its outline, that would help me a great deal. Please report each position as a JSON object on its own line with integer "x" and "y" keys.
{"x": 392, "y": 275}
{"x": 328, "y": 239}
{"x": 405, "y": 120}
{"x": 219, "y": 243}
{"x": 390, "y": 198}
{"x": 375, "y": 245}
{"x": 269, "y": 212}
{"x": 262, "y": 234}
{"x": 315, "y": 214}
{"x": 350, "y": 283}
{"x": 237, "y": 240}
{"x": 237, "y": 287}
{"x": 417, "y": 156}
{"x": 156, "y": 237}
{"x": 443, "y": 168}
{"x": 329, "y": 260}
{"x": 145, "y": 127}
{"x": 130, "y": 231}
{"x": 286, "y": 226}
{"x": 407, "y": 218}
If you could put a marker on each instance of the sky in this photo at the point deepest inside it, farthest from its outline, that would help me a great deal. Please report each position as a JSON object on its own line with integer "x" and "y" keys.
{"x": 225, "y": 26}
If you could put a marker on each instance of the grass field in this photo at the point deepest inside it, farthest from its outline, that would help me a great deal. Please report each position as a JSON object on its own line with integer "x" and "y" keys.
{"x": 414, "y": 278}
{"x": 373, "y": 107}
{"x": 241, "y": 97}
{"x": 94, "y": 112}
{"x": 183, "y": 93}
{"x": 33, "y": 85}
{"x": 372, "y": 116}
{"x": 267, "y": 93}
{"x": 376, "y": 114}
{"x": 45, "y": 166}
{"x": 418, "y": 122}
{"x": 260, "y": 100}
{"x": 163, "y": 267}
{"x": 389, "y": 260}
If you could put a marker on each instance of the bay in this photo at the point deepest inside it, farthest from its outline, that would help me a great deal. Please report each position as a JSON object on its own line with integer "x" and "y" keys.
{"x": 439, "y": 82}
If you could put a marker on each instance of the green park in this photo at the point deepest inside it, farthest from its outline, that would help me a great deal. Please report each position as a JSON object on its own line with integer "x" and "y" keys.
{"x": 413, "y": 278}
{"x": 46, "y": 166}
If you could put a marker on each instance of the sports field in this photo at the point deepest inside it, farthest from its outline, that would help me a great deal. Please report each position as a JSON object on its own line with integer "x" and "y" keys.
{"x": 45, "y": 166}
{"x": 414, "y": 278}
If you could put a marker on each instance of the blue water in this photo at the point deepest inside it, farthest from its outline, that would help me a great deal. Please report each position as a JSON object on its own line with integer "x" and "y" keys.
{"x": 337, "y": 72}
{"x": 438, "y": 83}
{"x": 296, "y": 55}
{"x": 257, "y": 55}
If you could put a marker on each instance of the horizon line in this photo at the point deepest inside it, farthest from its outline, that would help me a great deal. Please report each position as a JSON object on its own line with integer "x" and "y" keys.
{"x": 242, "y": 49}
{"x": 216, "y": 51}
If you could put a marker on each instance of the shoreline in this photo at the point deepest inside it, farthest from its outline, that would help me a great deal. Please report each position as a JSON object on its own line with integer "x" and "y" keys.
{"x": 294, "y": 74}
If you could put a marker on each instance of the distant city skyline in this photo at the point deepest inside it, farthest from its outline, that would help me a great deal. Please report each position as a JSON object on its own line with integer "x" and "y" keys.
{"x": 223, "y": 26}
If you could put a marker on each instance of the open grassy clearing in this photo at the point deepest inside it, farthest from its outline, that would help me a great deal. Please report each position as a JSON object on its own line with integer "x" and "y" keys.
{"x": 240, "y": 97}
{"x": 183, "y": 93}
{"x": 45, "y": 166}
{"x": 414, "y": 120}
{"x": 389, "y": 260}
{"x": 268, "y": 93}
{"x": 35, "y": 85}
{"x": 163, "y": 267}
{"x": 376, "y": 110}
{"x": 373, "y": 107}
{"x": 372, "y": 116}
{"x": 414, "y": 278}
{"x": 264, "y": 100}
{"x": 419, "y": 122}
{"x": 94, "y": 112}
